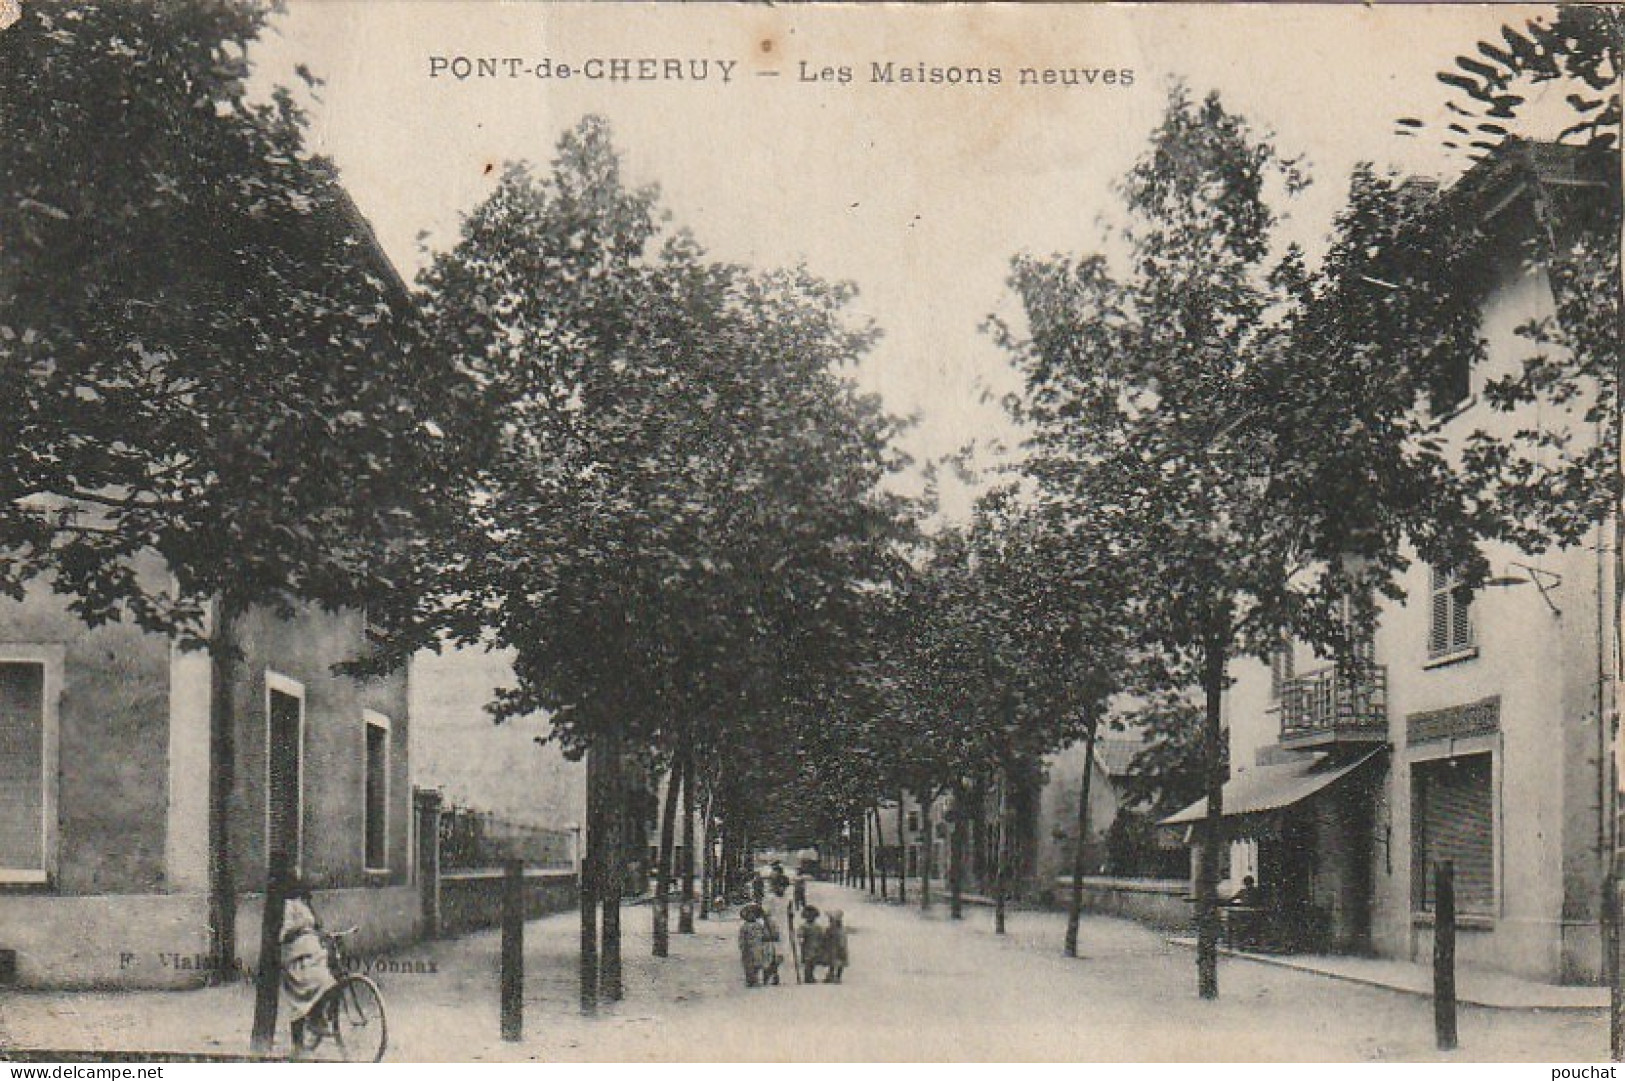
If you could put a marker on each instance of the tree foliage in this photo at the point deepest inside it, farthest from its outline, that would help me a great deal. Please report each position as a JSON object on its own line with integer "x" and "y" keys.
{"x": 681, "y": 522}
{"x": 1245, "y": 439}
{"x": 204, "y": 352}
{"x": 1555, "y": 481}
{"x": 1580, "y": 49}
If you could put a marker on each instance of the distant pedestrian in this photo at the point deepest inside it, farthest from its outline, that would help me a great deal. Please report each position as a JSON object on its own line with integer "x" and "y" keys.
{"x": 777, "y": 878}
{"x": 756, "y": 952}
{"x": 1249, "y": 896}
{"x": 775, "y": 937}
{"x": 835, "y": 955}
{"x": 799, "y": 894}
{"x": 777, "y": 904}
{"x": 812, "y": 944}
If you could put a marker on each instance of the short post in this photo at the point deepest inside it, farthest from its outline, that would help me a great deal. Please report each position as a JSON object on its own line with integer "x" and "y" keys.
{"x": 269, "y": 974}
{"x": 1444, "y": 955}
{"x": 427, "y": 804}
{"x": 1611, "y": 911}
{"x": 513, "y": 950}
{"x": 790, "y": 934}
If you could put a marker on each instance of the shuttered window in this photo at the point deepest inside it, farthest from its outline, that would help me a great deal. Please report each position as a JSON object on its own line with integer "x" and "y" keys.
{"x": 1453, "y": 810}
{"x": 22, "y": 769}
{"x": 285, "y": 774}
{"x": 377, "y": 793}
{"x": 1450, "y": 622}
{"x": 1280, "y": 669}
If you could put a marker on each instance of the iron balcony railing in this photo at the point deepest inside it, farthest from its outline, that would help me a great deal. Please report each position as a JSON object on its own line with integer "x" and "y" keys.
{"x": 1332, "y": 703}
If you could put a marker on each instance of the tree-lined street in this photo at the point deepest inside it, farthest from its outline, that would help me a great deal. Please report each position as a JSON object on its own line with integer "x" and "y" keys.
{"x": 655, "y": 480}
{"x": 920, "y": 987}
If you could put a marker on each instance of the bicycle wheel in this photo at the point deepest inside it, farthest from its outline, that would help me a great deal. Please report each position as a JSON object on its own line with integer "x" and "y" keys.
{"x": 356, "y": 1020}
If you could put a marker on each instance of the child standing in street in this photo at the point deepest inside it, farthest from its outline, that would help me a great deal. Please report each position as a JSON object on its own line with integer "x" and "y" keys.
{"x": 755, "y": 947}
{"x": 770, "y": 962}
{"x": 812, "y": 943}
{"x": 835, "y": 946}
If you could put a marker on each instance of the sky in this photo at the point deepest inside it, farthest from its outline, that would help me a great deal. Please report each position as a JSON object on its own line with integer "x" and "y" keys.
{"x": 920, "y": 194}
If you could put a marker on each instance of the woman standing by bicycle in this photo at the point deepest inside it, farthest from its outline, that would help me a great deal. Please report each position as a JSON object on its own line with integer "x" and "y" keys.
{"x": 306, "y": 975}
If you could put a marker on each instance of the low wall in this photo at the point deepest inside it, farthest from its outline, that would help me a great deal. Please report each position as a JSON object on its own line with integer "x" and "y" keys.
{"x": 472, "y": 900}
{"x": 106, "y": 941}
{"x": 1160, "y": 902}
{"x": 161, "y": 940}
{"x": 387, "y": 917}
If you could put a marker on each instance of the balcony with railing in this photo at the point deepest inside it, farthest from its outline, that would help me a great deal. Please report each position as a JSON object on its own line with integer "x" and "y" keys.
{"x": 1333, "y": 705}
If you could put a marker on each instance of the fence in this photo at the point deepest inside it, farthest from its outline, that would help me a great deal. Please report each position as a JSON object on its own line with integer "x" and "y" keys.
{"x": 459, "y": 866}
{"x": 473, "y": 840}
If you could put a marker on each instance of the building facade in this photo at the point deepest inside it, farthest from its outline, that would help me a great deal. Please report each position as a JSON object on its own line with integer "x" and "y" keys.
{"x": 1057, "y": 824}
{"x": 1480, "y": 732}
{"x": 513, "y": 770}
{"x": 104, "y": 791}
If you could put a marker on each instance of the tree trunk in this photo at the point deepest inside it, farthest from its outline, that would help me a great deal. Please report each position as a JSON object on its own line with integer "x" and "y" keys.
{"x": 868, "y": 854}
{"x": 685, "y": 910}
{"x": 725, "y": 845}
{"x": 880, "y": 852}
{"x": 1207, "y": 876}
{"x": 590, "y": 878}
{"x": 866, "y": 870}
{"x": 956, "y": 858}
{"x": 668, "y": 837}
{"x": 1001, "y": 857}
{"x": 902, "y": 850}
{"x": 223, "y": 662}
{"x": 979, "y": 860}
{"x": 927, "y": 847}
{"x": 268, "y": 978}
{"x": 614, "y": 874}
{"x": 708, "y": 876}
{"x": 1074, "y": 914}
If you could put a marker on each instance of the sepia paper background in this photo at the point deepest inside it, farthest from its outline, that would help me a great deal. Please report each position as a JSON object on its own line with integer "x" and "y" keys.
{"x": 919, "y": 193}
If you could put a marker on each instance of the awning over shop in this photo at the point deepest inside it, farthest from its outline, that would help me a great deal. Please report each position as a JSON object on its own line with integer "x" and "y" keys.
{"x": 1270, "y": 788}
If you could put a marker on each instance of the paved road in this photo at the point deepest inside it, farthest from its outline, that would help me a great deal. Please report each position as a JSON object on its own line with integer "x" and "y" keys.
{"x": 920, "y": 987}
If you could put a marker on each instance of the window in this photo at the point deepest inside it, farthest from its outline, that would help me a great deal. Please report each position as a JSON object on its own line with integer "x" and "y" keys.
{"x": 1280, "y": 669}
{"x": 377, "y": 792}
{"x": 1452, "y": 383}
{"x": 284, "y": 767}
{"x": 1450, "y": 622}
{"x": 25, "y": 772}
{"x": 1452, "y": 810}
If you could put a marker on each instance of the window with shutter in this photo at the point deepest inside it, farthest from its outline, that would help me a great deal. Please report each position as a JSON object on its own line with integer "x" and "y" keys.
{"x": 1452, "y": 383}
{"x": 1450, "y": 622}
{"x": 285, "y": 766}
{"x": 1452, "y": 806}
{"x": 23, "y": 777}
{"x": 1280, "y": 669}
{"x": 376, "y": 840}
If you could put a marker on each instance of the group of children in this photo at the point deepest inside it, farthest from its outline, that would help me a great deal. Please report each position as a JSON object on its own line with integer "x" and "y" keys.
{"x": 821, "y": 945}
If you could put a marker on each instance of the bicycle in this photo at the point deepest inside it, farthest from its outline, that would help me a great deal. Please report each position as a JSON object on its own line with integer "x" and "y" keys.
{"x": 350, "y": 1013}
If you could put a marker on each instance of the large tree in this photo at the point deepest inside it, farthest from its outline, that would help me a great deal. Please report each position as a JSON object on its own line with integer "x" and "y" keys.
{"x": 204, "y": 352}
{"x": 1247, "y": 449}
{"x": 996, "y": 663}
{"x": 676, "y": 528}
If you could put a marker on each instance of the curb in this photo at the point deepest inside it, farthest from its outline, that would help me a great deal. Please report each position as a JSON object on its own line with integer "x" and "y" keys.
{"x": 1366, "y": 981}
{"x": 30, "y": 1054}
